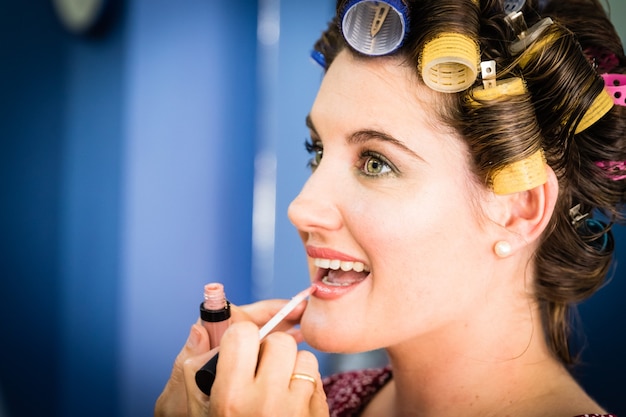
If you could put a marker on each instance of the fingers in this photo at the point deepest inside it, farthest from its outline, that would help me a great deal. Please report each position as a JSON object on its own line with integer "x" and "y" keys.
{"x": 305, "y": 377}
{"x": 256, "y": 378}
{"x": 173, "y": 400}
{"x": 233, "y": 391}
{"x": 197, "y": 403}
{"x": 318, "y": 405}
{"x": 261, "y": 312}
{"x": 296, "y": 333}
{"x": 239, "y": 352}
{"x": 276, "y": 362}
{"x": 291, "y": 375}
{"x": 307, "y": 364}
{"x": 245, "y": 365}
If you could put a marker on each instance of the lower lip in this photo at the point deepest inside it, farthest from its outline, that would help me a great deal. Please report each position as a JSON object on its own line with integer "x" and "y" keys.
{"x": 332, "y": 292}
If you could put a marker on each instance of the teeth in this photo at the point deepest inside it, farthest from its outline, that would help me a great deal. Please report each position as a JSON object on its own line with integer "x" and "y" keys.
{"x": 346, "y": 266}
{"x": 326, "y": 281}
{"x": 336, "y": 264}
{"x": 322, "y": 263}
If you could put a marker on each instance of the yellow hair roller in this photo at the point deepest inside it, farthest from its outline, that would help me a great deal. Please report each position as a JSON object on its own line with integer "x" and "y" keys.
{"x": 600, "y": 106}
{"x": 521, "y": 175}
{"x": 449, "y": 62}
{"x": 507, "y": 87}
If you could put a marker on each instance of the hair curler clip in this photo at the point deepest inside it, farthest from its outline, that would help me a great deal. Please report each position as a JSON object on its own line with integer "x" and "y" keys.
{"x": 526, "y": 37}
{"x": 512, "y": 6}
{"x": 576, "y": 215}
{"x": 375, "y": 27}
{"x": 380, "y": 15}
{"x": 515, "y": 20}
{"x": 615, "y": 85}
{"x": 492, "y": 88}
{"x": 488, "y": 74}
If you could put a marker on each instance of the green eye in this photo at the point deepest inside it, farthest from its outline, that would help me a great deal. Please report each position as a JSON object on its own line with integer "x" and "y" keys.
{"x": 375, "y": 165}
{"x": 317, "y": 158}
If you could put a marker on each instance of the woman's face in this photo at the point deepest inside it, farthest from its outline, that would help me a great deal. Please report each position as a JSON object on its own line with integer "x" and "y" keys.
{"x": 390, "y": 192}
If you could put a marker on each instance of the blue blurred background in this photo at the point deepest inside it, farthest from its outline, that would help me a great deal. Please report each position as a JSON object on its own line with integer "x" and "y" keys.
{"x": 148, "y": 158}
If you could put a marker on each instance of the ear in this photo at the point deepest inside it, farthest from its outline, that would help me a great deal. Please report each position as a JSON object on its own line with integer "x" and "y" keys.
{"x": 525, "y": 215}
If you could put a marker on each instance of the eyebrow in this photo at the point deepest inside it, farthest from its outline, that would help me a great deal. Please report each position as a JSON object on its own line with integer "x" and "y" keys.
{"x": 362, "y": 136}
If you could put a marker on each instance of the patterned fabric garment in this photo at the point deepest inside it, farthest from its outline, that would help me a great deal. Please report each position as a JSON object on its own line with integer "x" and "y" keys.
{"x": 348, "y": 393}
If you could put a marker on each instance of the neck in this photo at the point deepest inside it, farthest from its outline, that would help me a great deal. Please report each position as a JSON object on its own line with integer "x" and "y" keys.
{"x": 478, "y": 370}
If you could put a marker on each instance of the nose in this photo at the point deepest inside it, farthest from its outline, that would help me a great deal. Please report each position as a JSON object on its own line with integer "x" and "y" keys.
{"x": 315, "y": 208}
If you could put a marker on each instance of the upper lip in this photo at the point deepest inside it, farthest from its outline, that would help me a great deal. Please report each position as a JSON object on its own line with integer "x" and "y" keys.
{"x": 326, "y": 253}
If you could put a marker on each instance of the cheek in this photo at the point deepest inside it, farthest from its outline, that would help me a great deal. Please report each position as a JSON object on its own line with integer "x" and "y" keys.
{"x": 406, "y": 225}
{"x": 421, "y": 237}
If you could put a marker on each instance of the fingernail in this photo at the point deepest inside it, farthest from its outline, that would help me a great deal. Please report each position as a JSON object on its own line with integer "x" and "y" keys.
{"x": 194, "y": 338}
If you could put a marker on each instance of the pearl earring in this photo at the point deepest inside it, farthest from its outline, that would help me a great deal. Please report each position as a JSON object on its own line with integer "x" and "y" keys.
{"x": 502, "y": 248}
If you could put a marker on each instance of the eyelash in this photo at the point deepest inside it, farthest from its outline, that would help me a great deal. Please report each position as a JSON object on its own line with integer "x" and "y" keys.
{"x": 315, "y": 149}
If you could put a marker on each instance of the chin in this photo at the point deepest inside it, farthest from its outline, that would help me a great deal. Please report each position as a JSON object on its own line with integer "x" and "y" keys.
{"x": 327, "y": 346}
{"x": 320, "y": 336}
{"x": 329, "y": 337}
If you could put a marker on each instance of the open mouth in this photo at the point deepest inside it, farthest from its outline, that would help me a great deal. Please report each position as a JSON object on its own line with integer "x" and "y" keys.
{"x": 338, "y": 273}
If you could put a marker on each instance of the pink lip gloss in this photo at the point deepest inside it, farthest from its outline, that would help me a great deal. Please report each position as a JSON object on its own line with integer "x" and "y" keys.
{"x": 205, "y": 376}
{"x": 215, "y": 312}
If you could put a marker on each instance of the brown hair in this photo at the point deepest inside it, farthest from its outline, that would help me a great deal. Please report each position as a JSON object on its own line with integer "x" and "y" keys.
{"x": 562, "y": 80}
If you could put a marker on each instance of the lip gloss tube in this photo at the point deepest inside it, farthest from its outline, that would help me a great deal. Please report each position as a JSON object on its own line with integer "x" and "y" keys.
{"x": 205, "y": 376}
{"x": 215, "y": 312}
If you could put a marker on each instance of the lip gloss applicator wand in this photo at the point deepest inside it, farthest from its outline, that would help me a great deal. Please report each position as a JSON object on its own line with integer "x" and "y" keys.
{"x": 205, "y": 376}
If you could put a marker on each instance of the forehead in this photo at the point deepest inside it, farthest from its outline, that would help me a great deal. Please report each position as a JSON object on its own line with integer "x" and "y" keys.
{"x": 381, "y": 90}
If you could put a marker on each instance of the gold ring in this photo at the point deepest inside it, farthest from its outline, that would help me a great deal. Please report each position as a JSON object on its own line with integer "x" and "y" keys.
{"x": 304, "y": 377}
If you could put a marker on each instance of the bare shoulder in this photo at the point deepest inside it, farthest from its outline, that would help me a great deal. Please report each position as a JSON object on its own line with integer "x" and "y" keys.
{"x": 573, "y": 401}
{"x": 382, "y": 404}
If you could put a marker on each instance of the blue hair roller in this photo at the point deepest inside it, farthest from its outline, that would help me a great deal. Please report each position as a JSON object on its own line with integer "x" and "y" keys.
{"x": 375, "y": 27}
{"x": 319, "y": 57}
